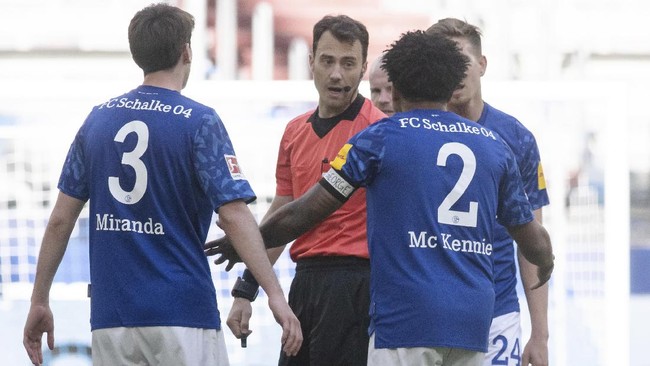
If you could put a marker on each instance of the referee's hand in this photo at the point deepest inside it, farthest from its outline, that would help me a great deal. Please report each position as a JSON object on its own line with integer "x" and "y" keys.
{"x": 226, "y": 251}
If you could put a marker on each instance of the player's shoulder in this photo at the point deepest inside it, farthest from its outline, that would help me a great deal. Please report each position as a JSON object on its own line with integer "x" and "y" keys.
{"x": 498, "y": 113}
{"x": 495, "y": 118}
{"x": 506, "y": 125}
{"x": 195, "y": 104}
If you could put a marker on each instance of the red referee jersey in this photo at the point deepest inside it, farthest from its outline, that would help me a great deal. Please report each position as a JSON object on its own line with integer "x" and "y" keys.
{"x": 302, "y": 159}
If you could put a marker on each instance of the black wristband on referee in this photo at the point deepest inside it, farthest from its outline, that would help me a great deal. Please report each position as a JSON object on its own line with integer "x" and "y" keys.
{"x": 247, "y": 289}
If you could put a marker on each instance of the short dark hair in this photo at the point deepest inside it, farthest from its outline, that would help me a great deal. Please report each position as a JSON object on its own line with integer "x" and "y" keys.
{"x": 157, "y": 35}
{"x": 344, "y": 29}
{"x": 456, "y": 28}
{"x": 425, "y": 67}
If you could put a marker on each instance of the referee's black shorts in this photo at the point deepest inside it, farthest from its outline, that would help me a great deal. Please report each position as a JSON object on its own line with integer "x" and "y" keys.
{"x": 331, "y": 296}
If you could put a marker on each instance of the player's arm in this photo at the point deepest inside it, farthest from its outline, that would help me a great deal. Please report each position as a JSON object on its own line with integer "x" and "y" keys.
{"x": 246, "y": 287}
{"x": 55, "y": 241}
{"x": 536, "y": 350}
{"x": 225, "y": 250}
{"x": 293, "y": 219}
{"x": 240, "y": 226}
{"x": 281, "y": 225}
{"x": 278, "y": 201}
{"x": 297, "y": 217}
{"x": 301, "y": 215}
{"x": 535, "y": 245}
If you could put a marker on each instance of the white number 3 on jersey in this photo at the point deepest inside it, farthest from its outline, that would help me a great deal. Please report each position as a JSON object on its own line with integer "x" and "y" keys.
{"x": 132, "y": 159}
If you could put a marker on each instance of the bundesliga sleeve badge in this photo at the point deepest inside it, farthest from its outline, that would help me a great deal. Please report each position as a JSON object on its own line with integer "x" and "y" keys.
{"x": 233, "y": 167}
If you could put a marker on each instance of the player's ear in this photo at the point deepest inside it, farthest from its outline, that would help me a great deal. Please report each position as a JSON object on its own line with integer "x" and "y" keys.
{"x": 482, "y": 61}
{"x": 187, "y": 54}
{"x": 311, "y": 62}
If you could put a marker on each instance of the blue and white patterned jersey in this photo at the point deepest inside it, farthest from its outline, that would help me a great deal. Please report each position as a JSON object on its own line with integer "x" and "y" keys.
{"x": 154, "y": 165}
{"x": 523, "y": 145}
{"x": 435, "y": 182}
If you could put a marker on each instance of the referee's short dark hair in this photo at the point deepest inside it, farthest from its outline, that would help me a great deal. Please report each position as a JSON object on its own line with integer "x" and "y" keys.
{"x": 344, "y": 29}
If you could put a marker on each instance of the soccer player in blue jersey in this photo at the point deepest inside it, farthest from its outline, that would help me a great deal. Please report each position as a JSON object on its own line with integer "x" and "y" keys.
{"x": 434, "y": 181}
{"x": 154, "y": 165}
{"x": 505, "y": 333}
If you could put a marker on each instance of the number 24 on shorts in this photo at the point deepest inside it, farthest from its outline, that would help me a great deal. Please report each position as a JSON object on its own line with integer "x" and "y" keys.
{"x": 501, "y": 358}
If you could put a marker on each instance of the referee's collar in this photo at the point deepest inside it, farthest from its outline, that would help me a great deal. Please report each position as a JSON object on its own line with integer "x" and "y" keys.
{"x": 322, "y": 126}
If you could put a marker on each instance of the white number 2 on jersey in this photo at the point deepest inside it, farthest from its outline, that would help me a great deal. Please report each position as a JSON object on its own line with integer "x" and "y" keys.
{"x": 132, "y": 158}
{"x": 445, "y": 214}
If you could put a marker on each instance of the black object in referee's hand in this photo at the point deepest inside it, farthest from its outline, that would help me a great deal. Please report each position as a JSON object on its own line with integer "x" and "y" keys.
{"x": 243, "y": 340}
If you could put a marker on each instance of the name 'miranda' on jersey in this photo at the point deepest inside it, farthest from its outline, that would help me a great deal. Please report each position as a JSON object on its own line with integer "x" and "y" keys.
{"x": 107, "y": 222}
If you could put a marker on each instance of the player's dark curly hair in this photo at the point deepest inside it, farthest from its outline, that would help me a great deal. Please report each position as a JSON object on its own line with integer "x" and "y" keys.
{"x": 344, "y": 29}
{"x": 157, "y": 35}
{"x": 425, "y": 67}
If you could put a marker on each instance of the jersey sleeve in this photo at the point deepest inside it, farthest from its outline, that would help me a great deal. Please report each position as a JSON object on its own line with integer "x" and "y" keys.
{"x": 514, "y": 208}
{"x": 283, "y": 176}
{"x": 219, "y": 173}
{"x": 74, "y": 178}
{"x": 532, "y": 173}
{"x": 357, "y": 163}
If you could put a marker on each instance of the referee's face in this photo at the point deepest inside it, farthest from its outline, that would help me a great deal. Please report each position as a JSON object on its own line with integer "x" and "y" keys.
{"x": 337, "y": 68}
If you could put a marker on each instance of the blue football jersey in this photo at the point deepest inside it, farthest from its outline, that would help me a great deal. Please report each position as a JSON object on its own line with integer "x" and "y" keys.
{"x": 522, "y": 143}
{"x": 435, "y": 183}
{"x": 154, "y": 165}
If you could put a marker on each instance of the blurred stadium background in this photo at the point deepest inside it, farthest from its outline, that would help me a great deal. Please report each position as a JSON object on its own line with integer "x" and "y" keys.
{"x": 574, "y": 71}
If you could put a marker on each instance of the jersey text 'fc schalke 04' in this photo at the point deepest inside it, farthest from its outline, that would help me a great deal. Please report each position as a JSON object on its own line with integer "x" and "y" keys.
{"x": 434, "y": 184}
{"x": 522, "y": 143}
{"x": 154, "y": 165}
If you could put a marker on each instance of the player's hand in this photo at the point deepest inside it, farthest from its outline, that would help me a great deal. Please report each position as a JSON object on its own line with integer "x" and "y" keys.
{"x": 39, "y": 321}
{"x": 224, "y": 248}
{"x": 291, "y": 331}
{"x": 535, "y": 352}
{"x": 544, "y": 273}
{"x": 239, "y": 317}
